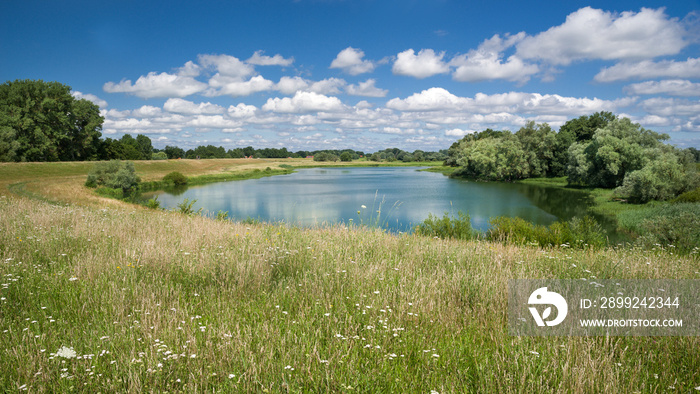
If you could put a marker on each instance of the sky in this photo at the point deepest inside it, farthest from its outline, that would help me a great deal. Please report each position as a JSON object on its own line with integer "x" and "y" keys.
{"x": 360, "y": 74}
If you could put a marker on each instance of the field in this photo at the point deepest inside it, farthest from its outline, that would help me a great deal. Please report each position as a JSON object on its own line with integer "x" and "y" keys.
{"x": 98, "y": 295}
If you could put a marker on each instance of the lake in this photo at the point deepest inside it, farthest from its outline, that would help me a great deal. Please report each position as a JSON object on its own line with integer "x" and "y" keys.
{"x": 398, "y": 198}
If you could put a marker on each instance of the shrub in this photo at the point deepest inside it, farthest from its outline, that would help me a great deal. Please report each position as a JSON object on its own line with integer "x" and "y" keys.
{"x": 345, "y": 156}
{"x": 446, "y": 227}
{"x": 153, "y": 203}
{"x": 325, "y": 156}
{"x": 222, "y": 215}
{"x": 113, "y": 174}
{"x": 159, "y": 156}
{"x": 672, "y": 224}
{"x": 576, "y": 232}
{"x": 186, "y": 207}
{"x": 176, "y": 178}
{"x": 691, "y": 196}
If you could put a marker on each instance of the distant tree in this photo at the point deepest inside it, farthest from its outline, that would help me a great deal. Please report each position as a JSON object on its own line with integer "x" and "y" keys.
{"x": 144, "y": 146}
{"x": 582, "y": 128}
{"x": 539, "y": 143}
{"x": 114, "y": 174}
{"x": 42, "y": 121}
{"x": 174, "y": 152}
{"x": 345, "y": 156}
{"x": 160, "y": 156}
{"x": 493, "y": 158}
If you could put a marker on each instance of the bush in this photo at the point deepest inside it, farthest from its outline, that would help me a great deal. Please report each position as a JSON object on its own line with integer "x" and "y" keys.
{"x": 446, "y": 227}
{"x": 153, "y": 203}
{"x": 345, "y": 156}
{"x": 691, "y": 196}
{"x": 575, "y": 232}
{"x": 159, "y": 156}
{"x": 672, "y": 224}
{"x": 325, "y": 156}
{"x": 113, "y": 174}
{"x": 176, "y": 178}
{"x": 186, "y": 207}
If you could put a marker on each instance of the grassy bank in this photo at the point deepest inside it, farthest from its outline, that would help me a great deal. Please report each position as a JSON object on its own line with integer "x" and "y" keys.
{"x": 155, "y": 301}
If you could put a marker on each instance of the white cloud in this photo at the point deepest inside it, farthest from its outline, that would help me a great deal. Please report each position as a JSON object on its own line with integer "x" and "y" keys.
{"x": 596, "y": 34}
{"x": 227, "y": 65}
{"x": 242, "y": 111}
{"x": 366, "y": 89}
{"x": 157, "y": 85}
{"x": 648, "y": 69}
{"x": 671, "y": 106}
{"x": 304, "y": 102}
{"x": 259, "y": 59}
{"x": 147, "y": 111}
{"x": 427, "y": 63}
{"x": 290, "y": 85}
{"x": 486, "y": 62}
{"x": 350, "y": 61}
{"x": 213, "y": 121}
{"x": 190, "y": 69}
{"x": 327, "y": 86}
{"x": 180, "y": 106}
{"x": 90, "y": 97}
{"x": 458, "y": 132}
{"x": 672, "y": 87}
{"x": 432, "y": 99}
{"x": 231, "y": 86}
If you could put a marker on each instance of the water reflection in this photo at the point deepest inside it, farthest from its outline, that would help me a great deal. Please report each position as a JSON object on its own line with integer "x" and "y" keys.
{"x": 404, "y": 197}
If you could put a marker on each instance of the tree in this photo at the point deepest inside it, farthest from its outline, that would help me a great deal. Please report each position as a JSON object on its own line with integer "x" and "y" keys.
{"x": 539, "y": 143}
{"x": 42, "y": 121}
{"x": 145, "y": 147}
{"x": 345, "y": 156}
{"x": 492, "y": 158}
{"x": 174, "y": 152}
{"x": 114, "y": 174}
{"x": 615, "y": 150}
{"x": 583, "y": 128}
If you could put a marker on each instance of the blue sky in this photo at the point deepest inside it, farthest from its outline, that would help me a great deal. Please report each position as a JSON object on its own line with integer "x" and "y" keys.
{"x": 360, "y": 74}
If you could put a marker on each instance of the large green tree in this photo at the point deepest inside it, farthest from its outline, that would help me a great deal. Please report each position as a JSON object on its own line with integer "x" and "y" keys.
{"x": 42, "y": 121}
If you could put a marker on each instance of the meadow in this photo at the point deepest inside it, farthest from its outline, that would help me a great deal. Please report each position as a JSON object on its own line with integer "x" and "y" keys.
{"x": 98, "y": 295}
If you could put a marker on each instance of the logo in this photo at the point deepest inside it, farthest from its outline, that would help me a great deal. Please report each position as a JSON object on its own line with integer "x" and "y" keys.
{"x": 543, "y": 297}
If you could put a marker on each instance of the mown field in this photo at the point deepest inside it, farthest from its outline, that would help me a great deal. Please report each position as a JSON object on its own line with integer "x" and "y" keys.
{"x": 98, "y": 295}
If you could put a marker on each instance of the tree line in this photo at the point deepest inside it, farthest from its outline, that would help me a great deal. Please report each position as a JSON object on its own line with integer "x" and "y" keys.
{"x": 599, "y": 150}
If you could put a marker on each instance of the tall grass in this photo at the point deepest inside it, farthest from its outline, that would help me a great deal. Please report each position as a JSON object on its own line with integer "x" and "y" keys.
{"x": 156, "y": 301}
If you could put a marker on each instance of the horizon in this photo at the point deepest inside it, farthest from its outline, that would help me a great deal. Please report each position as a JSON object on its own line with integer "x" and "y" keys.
{"x": 361, "y": 75}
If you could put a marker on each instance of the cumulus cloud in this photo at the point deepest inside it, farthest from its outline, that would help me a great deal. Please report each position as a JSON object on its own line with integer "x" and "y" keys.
{"x": 350, "y": 61}
{"x": 304, "y": 102}
{"x": 366, "y": 89}
{"x": 90, "y": 97}
{"x": 180, "y": 106}
{"x": 327, "y": 86}
{"x": 439, "y": 99}
{"x": 672, "y": 87}
{"x": 232, "y": 86}
{"x": 242, "y": 111}
{"x": 147, "y": 111}
{"x": 227, "y": 65}
{"x": 458, "y": 132}
{"x": 190, "y": 69}
{"x": 648, "y": 69}
{"x": 259, "y": 59}
{"x": 596, "y": 34}
{"x": 157, "y": 85}
{"x": 290, "y": 85}
{"x": 427, "y": 63}
{"x": 486, "y": 62}
{"x": 671, "y": 107}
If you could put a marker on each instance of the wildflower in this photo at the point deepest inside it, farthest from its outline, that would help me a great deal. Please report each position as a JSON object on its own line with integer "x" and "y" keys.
{"x": 74, "y": 278}
{"x": 231, "y": 376}
{"x": 534, "y": 352}
{"x": 193, "y": 356}
{"x": 66, "y": 352}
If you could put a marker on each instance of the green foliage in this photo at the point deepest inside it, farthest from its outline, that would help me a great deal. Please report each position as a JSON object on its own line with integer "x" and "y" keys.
{"x": 42, "y": 121}
{"x": 661, "y": 179}
{"x": 345, "y": 156}
{"x": 159, "y": 156}
{"x": 175, "y": 178}
{"x": 671, "y": 224}
{"x": 493, "y": 158}
{"x": 583, "y": 128}
{"x": 538, "y": 142}
{"x": 113, "y": 174}
{"x": 447, "y": 227}
{"x": 222, "y": 215}
{"x": 615, "y": 150}
{"x": 690, "y": 196}
{"x": 573, "y": 233}
{"x": 186, "y": 207}
{"x": 153, "y": 203}
{"x": 286, "y": 166}
{"x": 325, "y": 156}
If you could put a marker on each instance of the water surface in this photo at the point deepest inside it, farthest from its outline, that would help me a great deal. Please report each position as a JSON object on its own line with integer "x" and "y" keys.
{"x": 396, "y": 197}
